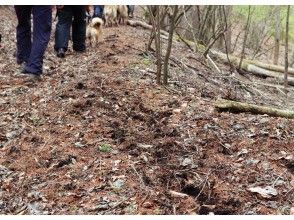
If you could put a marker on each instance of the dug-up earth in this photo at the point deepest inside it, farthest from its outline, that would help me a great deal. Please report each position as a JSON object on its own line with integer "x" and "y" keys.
{"x": 97, "y": 136}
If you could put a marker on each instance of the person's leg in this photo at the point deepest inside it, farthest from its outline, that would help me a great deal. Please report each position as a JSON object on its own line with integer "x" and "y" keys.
{"x": 62, "y": 33}
{"x": 23, "y": 33}
{"x": 98, "y": 11}
{"x": 42, "y": 18}
{"x": 131, "y": 9}
{"x": 79, "y": 29}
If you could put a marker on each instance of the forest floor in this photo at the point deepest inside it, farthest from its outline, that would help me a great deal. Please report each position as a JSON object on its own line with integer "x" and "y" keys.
{"x": 97, "y": 136}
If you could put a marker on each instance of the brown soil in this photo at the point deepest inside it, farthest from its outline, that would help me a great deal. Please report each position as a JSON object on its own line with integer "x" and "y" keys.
{"x": 98, "y": 136}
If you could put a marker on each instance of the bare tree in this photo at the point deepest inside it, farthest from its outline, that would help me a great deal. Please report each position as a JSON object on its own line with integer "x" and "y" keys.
{"x": 228, "y": 34}
{"x": 245, "y": 36}
{"x": 170, "y": 40}
{"x": 152, "y": 10}
{"x": 158, "y": 45}
{"x": 277, "y": 34}
{"x": 286, "y": 49}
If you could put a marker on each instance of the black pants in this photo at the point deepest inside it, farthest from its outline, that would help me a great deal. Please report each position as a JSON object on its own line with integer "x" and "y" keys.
{"x": 31, "y": 49}
{"x": 75, "y": 16}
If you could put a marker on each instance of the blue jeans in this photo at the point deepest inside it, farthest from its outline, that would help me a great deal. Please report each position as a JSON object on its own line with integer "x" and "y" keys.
{"x": 32, "y": 52}
{"x": 131, "y": 9}
{"x": 98, "y": 11}
{"x": 75, "y": 16}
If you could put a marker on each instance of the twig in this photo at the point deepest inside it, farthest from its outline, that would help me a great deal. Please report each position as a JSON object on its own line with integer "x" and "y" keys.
{"x": 213, "y": 64}
{"x": 205, "y": 181}
{"x": 118, "y": 204}
{"x": 279, "y": 177}
{"x": 140, "y": 177}
{"x": 178, "y": 194}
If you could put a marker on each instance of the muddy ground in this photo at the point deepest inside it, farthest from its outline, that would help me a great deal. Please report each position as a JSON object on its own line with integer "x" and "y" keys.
{"x": 97, "y": 136}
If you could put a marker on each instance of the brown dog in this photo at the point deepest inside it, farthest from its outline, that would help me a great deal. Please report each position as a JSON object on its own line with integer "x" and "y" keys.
{"x": 94, "y": 30}
{"x": 122, "y": 14}
{"x": 110, "y": 15}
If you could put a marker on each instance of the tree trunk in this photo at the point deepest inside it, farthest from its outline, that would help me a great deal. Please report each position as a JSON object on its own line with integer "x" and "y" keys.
{"x": 286, "y": 49}
{"x": 158, "y": 46}
{"x": 228, "y": 34}
{"x": 245, "y": 36}
{"x": 169, "y": 46}
{"x": 152, "y": 33}
{"x": 277, "y": 34}
{"x": 228, "y": 105}
{"x": 267, "y": 73}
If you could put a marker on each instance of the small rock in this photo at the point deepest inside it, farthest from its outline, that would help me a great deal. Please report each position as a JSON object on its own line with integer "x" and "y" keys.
{"x": 186, "y": 162}
{"x": 11, "y": 135}
{"x": 238, "y": 127}
{"x": 34, "y": 195}
{"x": 252, "y": 162}
{"x": 281, "y": 126}
{"x": 34, "y": 209}
{"x": 184, "y": 105}
{"x": 177, "y": 110}
{"x": 100, "y": 207}
{"x": 145, "y": 158}
{"x": 115, "y": 152}
{"x": 242, "y": 152}
{"x": 265, "y": 165}
{"x": 118, "y": 184}
{"x": 280, "y": 183}
{"x": 272, "y": 204}
{"x": 145, "y": 146}
{"x": 79, "y": 144}
{"x": 192, "y": 90}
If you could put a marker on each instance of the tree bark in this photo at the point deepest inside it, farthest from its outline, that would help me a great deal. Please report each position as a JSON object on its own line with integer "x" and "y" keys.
{"x": 228, "y": 105}
{"x": 144, "y": 25}
{"x": 169, "y": 46}
{"x": 286, "y": 49}
{"x": 277, "y": 34}
{"x": 228, "y": 34}
{"x": 158, "y": 46}
{"x": 245, "y": 36}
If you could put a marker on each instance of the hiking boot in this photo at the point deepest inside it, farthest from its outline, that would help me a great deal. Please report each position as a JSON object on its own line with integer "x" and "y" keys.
{"x": 61, "y": 53}
{"x": 30, "y": 76}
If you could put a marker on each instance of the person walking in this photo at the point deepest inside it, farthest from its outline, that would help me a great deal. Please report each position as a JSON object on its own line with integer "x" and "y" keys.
{"x": 30, "y": 51}
{"x": 131, "y": 9}
{"x": 70, "y": 16}
{"x": 98, "y": 11}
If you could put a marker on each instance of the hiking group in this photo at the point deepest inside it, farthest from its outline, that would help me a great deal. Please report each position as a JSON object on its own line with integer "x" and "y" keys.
{"x": 31, "y": 45}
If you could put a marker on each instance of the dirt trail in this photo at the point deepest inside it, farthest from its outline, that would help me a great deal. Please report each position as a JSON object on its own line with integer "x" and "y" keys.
{"x": 97, "y": 135}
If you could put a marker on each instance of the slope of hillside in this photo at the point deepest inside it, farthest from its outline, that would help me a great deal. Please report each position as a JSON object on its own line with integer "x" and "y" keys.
{"x": 98, "y": 136}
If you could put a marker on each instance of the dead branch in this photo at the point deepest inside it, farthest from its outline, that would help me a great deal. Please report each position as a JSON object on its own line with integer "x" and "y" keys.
{"x": 228, "y": 105}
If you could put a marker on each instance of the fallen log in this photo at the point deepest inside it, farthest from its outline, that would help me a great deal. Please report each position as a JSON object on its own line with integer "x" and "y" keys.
{"x": 144, "y": 25}
{"x": 228, "y": 105}
{"x": 252, "y": 67}
{"x": 264, "y": 72}
{"x": 270, "y": 67}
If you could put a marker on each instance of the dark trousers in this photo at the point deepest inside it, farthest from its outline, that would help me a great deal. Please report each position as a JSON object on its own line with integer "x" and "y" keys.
{"x": 98, "y": 11}
{"x": 68, "y": 16}
{"x": 32, "y": 52}
{"x": 131, "y": 9}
